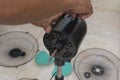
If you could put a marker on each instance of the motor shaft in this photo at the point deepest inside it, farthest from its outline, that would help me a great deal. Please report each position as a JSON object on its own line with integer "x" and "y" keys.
{"x": 59, "y": 75}
{"x": 53, "y": 54}
{"x": 59, "y": 71}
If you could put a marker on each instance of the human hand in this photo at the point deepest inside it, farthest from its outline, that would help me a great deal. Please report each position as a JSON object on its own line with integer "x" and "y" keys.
{"x": 83, "y": 9}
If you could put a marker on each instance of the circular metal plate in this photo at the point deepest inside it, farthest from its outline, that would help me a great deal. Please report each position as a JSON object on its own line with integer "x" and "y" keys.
{"x": 17, "y": 40}
{"x": 88, "y": 59}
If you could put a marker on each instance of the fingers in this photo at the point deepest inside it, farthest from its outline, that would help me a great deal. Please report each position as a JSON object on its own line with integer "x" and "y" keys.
{"x": 46, "y": 23}
{"x": 85, "y": 15}
{"x": 50, "y": 21}
{"x": 81, "y": 15}
{"x": 54, "y": 18}
{"x": 48, "y": 29}
{"x": 83, "y": 8}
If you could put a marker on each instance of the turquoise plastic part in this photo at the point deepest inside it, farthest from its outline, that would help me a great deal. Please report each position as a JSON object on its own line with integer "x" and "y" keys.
{"x": 66, "y": 69}
{"x": 42, "y": 58}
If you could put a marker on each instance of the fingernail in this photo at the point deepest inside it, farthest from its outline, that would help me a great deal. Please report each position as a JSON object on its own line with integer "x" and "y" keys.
{"x": 48, "y": 29}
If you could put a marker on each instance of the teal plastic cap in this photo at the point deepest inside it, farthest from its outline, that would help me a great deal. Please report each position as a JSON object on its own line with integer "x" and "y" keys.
{"x": 42, "y": 58}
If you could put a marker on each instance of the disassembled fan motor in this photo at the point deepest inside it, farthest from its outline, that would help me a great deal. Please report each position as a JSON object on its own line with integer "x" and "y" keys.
{"x": 64, "y": 40}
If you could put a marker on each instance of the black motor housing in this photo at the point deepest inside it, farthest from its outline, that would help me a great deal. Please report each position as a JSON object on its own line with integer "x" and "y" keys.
{"x": 66, "y": 36}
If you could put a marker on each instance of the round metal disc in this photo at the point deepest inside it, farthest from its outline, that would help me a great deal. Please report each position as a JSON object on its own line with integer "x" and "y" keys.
{"x": 96, "y": 64}
{"x": 17, "y": 48}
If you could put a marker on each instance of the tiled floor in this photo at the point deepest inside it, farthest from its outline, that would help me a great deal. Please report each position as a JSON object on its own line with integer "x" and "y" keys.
{"x": 103, "y": 32}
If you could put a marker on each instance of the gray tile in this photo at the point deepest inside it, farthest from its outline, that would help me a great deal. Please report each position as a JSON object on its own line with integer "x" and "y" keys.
{"x": 98, "y": 41}
{"x": 9, "y": 73}
{"x": 107, "y": 4}
{"x": 32, "y": 70}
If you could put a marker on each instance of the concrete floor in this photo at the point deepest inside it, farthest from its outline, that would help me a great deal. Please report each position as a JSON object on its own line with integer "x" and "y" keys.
{"x": 103, "y": 32}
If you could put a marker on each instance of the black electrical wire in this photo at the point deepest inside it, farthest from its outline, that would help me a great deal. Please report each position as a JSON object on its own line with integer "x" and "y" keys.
{"x": 53, "y": 75}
